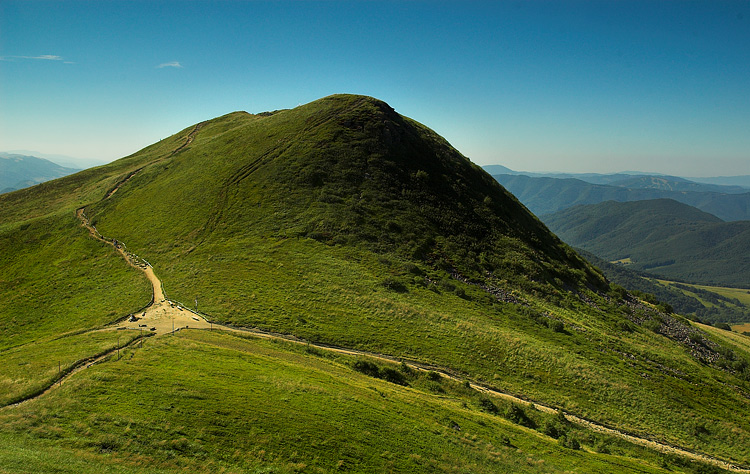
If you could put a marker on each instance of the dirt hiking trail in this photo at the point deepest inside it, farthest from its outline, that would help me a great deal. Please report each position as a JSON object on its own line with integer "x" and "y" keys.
{"x": 162, "y": 315}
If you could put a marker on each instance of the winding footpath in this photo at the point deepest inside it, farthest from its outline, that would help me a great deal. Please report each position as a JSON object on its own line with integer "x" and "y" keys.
{"x": 162, "y": 315}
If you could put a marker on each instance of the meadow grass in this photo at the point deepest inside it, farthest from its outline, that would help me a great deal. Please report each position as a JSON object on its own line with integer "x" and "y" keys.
{"x": 284, "y": 408}
{"x": 335, "y": 296}
{"x": 719, "y": 304}
{"x": 57, "y": 285}
{"x": 30, "y": 454}
{"x": 738, "y": 342}
{"x": 741, "y": 294}
{"x": 31, "y": 367}
{"x": 55, "y": 279}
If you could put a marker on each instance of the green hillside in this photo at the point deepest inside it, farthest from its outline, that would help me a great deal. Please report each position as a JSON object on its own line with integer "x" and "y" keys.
{"x": 707, "y": 304}
{"x": 342, "y": 224}
{"x": 282, "y": 408}
{"x": 662, "y": 237}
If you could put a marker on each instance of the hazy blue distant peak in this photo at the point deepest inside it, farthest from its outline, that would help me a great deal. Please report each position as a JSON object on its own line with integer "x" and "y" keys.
{"x": 11, "y": 156}
{"x": 742, "y": 181}
{"x": 62, "y": 160}
{"x": 545, "y": 195}
{"x": 730, "y": 184}
{"x": 19, "y": 171}
{"x": 498, "y": 169}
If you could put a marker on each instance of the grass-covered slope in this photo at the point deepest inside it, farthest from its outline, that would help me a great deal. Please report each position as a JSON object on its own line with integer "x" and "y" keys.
{"x": 55, "y": 280}
{"x": 58, "y": 284}
{"x": 708, "y": 304}
{"x": 341, "y": 170}
{"x": 344, "y": 223}
{"x": 283, "y": 408}
{"x": 663, "y": 237}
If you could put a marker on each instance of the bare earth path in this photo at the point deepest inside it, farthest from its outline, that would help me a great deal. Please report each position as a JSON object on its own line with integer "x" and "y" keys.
{"x": 164, "y": 316}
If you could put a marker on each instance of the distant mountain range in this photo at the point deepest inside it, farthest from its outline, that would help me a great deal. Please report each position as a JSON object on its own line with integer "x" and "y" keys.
{"x": 21, "y": 171}
{"x": 62, "y": 160}
{"x": 544, "y": 194}
{"x": 740, "y": 183}
{"x": 663, "y": 237}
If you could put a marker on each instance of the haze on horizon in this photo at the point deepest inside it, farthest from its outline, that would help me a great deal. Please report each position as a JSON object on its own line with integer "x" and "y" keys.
{"x": 567, "y": 86}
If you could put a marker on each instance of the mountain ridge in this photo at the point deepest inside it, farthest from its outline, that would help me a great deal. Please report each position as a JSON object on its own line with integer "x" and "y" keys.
{"x": 722, "y": 184}
{"x": 546, "y": 195}
{"x": 364, "y": 174}
{"x": 21, "y": 171}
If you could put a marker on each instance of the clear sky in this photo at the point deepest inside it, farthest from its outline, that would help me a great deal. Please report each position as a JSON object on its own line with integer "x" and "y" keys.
{"x": 574, "y": 86}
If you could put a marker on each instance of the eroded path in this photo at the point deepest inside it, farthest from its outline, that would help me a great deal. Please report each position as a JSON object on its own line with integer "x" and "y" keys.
{"x": 163, "y": 316}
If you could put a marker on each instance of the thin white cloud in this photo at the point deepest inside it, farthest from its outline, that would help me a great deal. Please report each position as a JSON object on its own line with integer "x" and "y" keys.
{"x": 170, "y": 64}
{"x": 50, "y": 57}
{"x": 45, "y": 57}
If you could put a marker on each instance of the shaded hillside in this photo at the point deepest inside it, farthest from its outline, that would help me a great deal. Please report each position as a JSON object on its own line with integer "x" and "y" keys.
{"x": 20, "y": 171}
{"x": 548, "y": 195}
{"x": 339, "y": 223}
{"x": 662, "y": 237}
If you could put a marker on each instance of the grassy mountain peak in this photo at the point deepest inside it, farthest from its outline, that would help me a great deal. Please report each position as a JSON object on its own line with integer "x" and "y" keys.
{"x": 345, "y": 169}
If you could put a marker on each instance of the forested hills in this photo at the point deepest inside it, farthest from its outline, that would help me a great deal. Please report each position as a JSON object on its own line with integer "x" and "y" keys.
{"x": 705, "y": 304}
{"x": 663, "y": 237}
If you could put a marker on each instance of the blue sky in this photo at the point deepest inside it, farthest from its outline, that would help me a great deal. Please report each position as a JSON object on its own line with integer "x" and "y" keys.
{"x": 572, "y": 86}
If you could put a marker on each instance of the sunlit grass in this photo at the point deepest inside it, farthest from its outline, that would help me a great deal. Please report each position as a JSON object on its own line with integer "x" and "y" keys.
{"x": 285, "y": 408}
{"x": 29, "y": 368}
{"x": 55, "y": 279}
